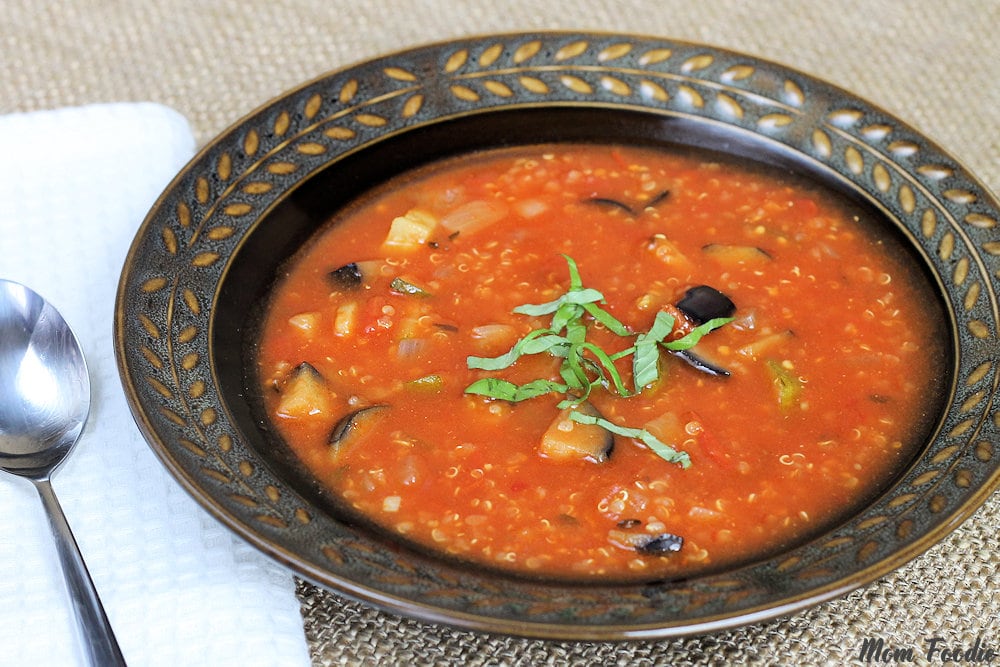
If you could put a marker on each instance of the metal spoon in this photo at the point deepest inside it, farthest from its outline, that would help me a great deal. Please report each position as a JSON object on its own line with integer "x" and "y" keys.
{"x": 44, "y": 402}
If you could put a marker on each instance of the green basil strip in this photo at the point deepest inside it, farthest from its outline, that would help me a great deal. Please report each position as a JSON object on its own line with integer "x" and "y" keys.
{"x": 690, "y": 339}
{"x": 577, "y": 297}
{"x": 571, "y": 402}
{"x": 645, "y": 365}
{"x": 508, "y": 391}
{"x": 664, "y": 451}
{"x": 538, "y": 309}
{"x": 575, "y": 282}
{"x": 493, "y": 388}
{"x": 538, "y": 388}
{"x": 546, "y": 343}
{"x": 576, "y": 333}
{"x": 610, "y": 322}
{"x": 575, "y": 369}
{"x": 628, "y": 351}
{"x": 609, "y": 366}
{"x": 646, "y": 362}
{"x": 585, "y": 365}
{"x": 507, "y": 359}
{"x": 565, "y": 315}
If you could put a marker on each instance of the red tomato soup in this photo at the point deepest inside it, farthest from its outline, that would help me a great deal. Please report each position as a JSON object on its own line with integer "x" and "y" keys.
{"x": 456, "y": 357}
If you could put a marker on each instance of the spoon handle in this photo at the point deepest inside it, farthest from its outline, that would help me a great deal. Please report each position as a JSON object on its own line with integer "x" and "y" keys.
{"x": 98, "y": 638}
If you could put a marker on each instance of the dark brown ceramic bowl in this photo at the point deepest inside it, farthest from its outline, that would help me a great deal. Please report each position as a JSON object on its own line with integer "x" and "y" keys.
{"x": 207, "y": 254}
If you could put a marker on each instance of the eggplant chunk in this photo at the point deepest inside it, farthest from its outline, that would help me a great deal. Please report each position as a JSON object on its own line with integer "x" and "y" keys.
{"x": 354, "y": 426}
{"x": 348, "y": 276}
{"x": 611, "y": 203}
{"x": 703, "y": 303}
{"x": 700, "y": 363}
{"x": 567, "y": 440}
{"x": 304, "y": 394}
{"x": 731, "y": 255}
{"x": 658, "y": 545}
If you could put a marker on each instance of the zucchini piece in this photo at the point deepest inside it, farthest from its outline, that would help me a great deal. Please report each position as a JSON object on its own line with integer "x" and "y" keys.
{"x": 567, "y": 440}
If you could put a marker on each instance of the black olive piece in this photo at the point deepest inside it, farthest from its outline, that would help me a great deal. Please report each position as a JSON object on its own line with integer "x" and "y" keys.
{"x": 700, "y": 363}
{"x": 352, "y": 424}
{"x": 703, "y": 303}
{"x": 346, "y": 277}
{"x": 659, "y": 545}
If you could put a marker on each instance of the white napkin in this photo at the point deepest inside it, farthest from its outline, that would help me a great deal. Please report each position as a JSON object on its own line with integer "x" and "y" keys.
{"x": 178, "y": 588}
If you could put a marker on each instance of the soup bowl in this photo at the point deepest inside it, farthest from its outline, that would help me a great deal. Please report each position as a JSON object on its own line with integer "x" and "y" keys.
{"x": 204, "y": 261}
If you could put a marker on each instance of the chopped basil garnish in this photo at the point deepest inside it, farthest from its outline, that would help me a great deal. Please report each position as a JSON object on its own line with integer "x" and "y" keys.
{"x": 585, "y": 365}
{"x": 665, "y": 452}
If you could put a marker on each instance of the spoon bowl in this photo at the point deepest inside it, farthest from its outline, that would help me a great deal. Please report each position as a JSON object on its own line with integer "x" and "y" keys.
{"x": 45, "y": 383}
{"x": 44, "y": 403}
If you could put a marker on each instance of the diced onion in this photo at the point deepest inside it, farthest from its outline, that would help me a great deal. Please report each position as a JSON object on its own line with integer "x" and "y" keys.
{"x": 306, "y": 322}
{"x": 530, "y": 208}
{"x": 409, "y": 231}
{"x": 746, "y": 320}
{"x": 345, "y": 319}
{"x": 493, "y": 337}
{"x": 410, "y": 347}
{"x": 491, "y": 331}
{"x": 765, "y": 344}
{"x": 474, "y": 215}
{"x": 391, "y": 503}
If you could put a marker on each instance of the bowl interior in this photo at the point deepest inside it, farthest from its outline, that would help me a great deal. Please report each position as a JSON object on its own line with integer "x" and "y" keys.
{"x": 283, "y": 230}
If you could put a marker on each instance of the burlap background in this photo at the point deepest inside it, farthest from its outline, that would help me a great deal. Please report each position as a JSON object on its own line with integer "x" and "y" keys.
{"x": 933, "y": 63}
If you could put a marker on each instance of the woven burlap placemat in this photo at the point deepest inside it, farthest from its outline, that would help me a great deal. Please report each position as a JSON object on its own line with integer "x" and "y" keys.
{"x": 933, "y": 64}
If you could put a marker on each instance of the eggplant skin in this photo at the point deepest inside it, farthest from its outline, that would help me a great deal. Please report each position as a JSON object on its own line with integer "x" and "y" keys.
{"x": 659, "y": 545}
{"x": 306, "y": 367}
{"x": 566, "y": 440}
{"x": 703, "y": 303}
{"x": 353, "y": 424}
{"x": 701, "y": 364}
{"x": 346, "y": 277}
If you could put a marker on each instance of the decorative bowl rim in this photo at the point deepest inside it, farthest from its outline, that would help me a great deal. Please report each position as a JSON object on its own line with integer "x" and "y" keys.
{"x": 182, "y": 255}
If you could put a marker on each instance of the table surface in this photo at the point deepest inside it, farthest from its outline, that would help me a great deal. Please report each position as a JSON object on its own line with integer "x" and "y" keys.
{"x": 932, "y": 63}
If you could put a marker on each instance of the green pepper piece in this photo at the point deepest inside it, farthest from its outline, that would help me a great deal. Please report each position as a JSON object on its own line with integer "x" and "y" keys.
{"x": 405, "y": 287}
{"x": 787, "y": 385}
{"x": 428, "y": 384}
